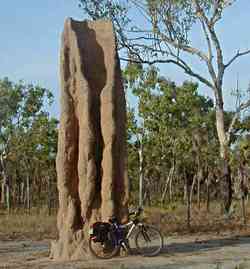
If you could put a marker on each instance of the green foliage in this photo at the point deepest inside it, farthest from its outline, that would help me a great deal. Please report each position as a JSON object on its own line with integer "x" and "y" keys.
{"x": 178, "y": 125}
{"x": 116, "y": 11}
{"x": 28, "y": 136}
{"x": 241, "y": 150}
{"x": 101, "y": 9}
{"x": 178, "y": 131}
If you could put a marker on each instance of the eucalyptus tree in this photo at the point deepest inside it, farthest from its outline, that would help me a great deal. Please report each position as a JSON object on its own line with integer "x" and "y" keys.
{"x": 159, "y": 31}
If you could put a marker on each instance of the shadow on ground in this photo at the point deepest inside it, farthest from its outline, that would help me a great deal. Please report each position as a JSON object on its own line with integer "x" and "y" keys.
{"x": 205, "y": 245}
{"x": 180, "y": 252}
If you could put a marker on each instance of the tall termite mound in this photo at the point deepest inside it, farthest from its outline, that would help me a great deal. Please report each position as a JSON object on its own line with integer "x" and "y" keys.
{"x": 91, "y": 166}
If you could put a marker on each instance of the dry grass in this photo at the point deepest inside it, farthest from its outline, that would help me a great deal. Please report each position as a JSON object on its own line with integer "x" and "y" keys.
{"x": 173, "y": 221}
{"x": 21, "y": 225}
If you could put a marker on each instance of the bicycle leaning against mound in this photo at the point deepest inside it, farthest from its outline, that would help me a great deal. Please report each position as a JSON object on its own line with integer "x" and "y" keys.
{"x": 107, "y": 238}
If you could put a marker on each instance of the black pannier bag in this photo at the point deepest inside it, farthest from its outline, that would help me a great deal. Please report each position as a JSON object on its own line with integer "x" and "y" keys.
{"x": 100, "y": 231}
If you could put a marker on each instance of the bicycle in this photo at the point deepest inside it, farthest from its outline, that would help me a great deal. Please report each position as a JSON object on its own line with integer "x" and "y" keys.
{"x": 107, "y": 238}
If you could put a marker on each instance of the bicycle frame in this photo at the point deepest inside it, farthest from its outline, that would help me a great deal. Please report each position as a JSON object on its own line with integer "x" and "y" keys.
{"x": 131, "y": 225}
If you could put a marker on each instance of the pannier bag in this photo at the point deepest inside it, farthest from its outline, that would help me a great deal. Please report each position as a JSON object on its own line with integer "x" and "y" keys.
{"x": 99, "y": 231}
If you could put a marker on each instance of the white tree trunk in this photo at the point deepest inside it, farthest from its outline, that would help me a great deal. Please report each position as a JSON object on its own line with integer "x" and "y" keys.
{"x": 8, "y": 197}
{"x": 225, "y": 180}
{"x": 220, "y": 125}
{"x": 141, "y": 174}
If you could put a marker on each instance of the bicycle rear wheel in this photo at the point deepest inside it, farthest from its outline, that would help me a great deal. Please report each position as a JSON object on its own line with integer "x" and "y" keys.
{"x": 148, "y": 240}
{"x": 106, "y": 249}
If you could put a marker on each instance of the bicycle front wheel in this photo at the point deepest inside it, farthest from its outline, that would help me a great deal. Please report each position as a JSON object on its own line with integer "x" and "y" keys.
{"x": 106, "y": 249}
{"x": 148, "y": 240}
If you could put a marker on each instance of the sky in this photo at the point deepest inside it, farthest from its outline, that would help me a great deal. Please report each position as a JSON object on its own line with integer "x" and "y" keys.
{"x": 30, "y": 43}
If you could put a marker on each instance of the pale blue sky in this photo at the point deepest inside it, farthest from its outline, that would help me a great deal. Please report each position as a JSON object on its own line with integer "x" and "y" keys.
{"x": 30, "y": 40}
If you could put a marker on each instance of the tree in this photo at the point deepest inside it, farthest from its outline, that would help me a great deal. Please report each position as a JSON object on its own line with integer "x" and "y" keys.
{"x": 28, "y": 141}
{"x": 175, "y": 118}
{"x": 163, "y": 36}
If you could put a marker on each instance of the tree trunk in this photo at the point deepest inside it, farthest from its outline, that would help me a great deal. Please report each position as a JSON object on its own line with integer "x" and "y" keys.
{"x": 49, "y": 199}
{"x": 243, "y": 184}
{"x": 208, "y": 198}
{"x": 141, "y": 174}
{"x": 3, "y": 192}
{"x": 163, "y": 196}
{"x": 8, "y": 205}
{"x": 91, "y": 167}
{"x": 208, "y": 184}
{"x": 188, "y": 201}
{"x": 192, "y": 187}
{"x": 147, "y": 195}
{"x": 171, "y": 187}
{"x": 6, "y": 188}
{"x": 225, "y": 180}
{"x": 28, "y": 193}
{"x": 243, "y": 208}
{"x": 22, "y": 194}
{"x": 184, "y": 193}
{"x": 167, "y": 181}
{"x": 199, "y": 178}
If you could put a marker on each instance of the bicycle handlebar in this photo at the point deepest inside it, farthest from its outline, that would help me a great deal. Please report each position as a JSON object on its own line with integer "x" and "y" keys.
{"x": 136, "y": 212}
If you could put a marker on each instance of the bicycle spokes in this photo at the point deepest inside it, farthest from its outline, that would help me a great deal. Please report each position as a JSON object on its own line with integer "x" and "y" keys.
{"x": 145, "y": 235}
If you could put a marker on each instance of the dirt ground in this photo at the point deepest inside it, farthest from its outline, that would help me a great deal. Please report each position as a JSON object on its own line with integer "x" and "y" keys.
{"x": 203, "y": 251}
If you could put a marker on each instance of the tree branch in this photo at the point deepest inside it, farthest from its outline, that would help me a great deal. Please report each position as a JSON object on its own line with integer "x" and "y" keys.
{"x": 169, "y": 40}
{"x": 180, "y": 63}
{"x": 210, "y": 53}
{"x": 209, "y": 45}
{"x": 216, "y": 42}
{"x": 242, "y": 107}
{"x": 237, "y": 55}
{"x": 216, "y": 14}
{"x": 183, "y": 47}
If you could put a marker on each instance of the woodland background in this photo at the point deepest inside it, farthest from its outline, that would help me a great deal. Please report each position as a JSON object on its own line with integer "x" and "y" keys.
{"x": 178, "y": 162}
